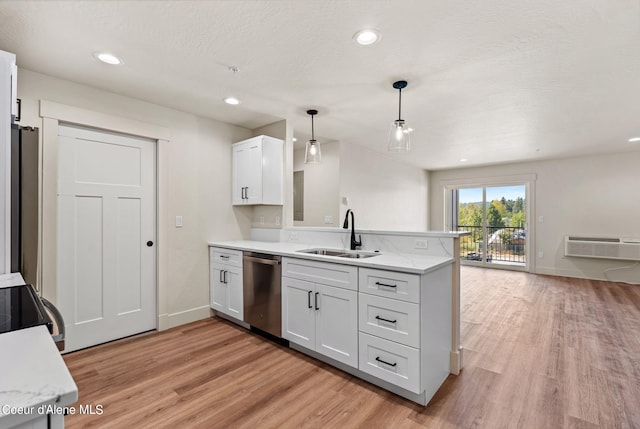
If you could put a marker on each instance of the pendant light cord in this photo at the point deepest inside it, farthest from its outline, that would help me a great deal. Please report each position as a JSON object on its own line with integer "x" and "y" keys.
{"x": 312, "y": 133}
{"x": 400, "y": 104}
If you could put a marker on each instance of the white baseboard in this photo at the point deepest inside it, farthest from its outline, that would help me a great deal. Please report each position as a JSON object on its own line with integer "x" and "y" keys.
{"x": 590, "y": 275}
{"x": 171, "y": 320}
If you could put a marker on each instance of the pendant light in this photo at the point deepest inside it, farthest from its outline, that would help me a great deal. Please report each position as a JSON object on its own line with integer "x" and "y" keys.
{"x": 312, "y": 153}
{"x": 399, "y": 140}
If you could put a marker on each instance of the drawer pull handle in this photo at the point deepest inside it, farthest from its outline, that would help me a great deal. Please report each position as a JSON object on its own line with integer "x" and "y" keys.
{"x": 386, "y": 320}
{"x": 386, "y": 363}
{"x": 309, "y": 299}
{"x": 317, "y": 307}
{"x": 224, "y": 257}
{"x": 386, "y": 285}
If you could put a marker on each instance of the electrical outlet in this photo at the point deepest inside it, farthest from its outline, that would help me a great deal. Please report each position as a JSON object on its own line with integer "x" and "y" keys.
{"x": 541, "y": 219}
{"x": 345, "y": 201}
{"x": 541, "y": 255}
{"x": 261, "y": 220}
{"x": 328, "y": 219}
{"x": 277, "y": 220}
{"x": 293, "y": 236}
{"x": 421, "y": 244}
{"x": 178, "y": 221}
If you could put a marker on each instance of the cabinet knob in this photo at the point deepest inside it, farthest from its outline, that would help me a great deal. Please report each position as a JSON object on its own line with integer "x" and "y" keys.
{"x": 149, "y": 243}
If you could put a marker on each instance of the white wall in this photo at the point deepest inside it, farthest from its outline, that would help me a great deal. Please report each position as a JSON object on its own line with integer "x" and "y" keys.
{"x": 321, "y": 186}
{"x": 197, "y": 184}
{"x": 7, "y": 60}
{"x": 383, "y": 193}
{"x": 597, "y": 195}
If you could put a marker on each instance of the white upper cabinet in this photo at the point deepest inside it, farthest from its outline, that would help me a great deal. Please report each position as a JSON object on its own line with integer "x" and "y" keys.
{"x": 258, "y": 171}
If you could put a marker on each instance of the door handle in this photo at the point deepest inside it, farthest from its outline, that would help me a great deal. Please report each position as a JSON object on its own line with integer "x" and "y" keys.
{"x": 220, "y": 277}
{"x": 386, "y": 320}
{"x": 225, "y": 276}
{"x": 385, "y": 362}
{"x": 386, "y": 285}
{"x": 309, "y": 299}
{"x": 317, "y": 308}
{"x": 246, "y": 193}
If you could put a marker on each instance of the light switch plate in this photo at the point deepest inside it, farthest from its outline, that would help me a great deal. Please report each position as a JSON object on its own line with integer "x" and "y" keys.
{"x": 178, "y": 221}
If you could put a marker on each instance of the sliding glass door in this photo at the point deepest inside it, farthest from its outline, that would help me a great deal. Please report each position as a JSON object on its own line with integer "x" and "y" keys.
{"x": 496, "y": 218}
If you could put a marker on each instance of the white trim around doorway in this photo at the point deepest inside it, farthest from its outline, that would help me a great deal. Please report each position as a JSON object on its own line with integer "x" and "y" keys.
{"x": 529, "y": 180}
{"x": 52, "y": 114}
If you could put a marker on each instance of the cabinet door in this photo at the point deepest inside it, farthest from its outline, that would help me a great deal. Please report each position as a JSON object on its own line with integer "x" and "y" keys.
{"x": 298, "y": 312}
{"x": 235, "y": 305}
{"x": 238, "y": 167}
{"x": 219, "y": 290}
{"x": 252, "y": 173}
{"x": 337, "y": 324}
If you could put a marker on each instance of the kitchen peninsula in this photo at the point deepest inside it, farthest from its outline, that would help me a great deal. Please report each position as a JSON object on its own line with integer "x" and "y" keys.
{"x": 388, "y": 313}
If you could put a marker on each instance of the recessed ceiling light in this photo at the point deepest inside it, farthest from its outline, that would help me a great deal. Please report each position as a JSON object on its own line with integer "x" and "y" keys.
{"x": 464, "y": 160}
{"x": 366, "y": 37}
{"x": 232, "y": 100}
{"x": 295, "y": 139}
{"x": 634, "y": 139}
{"x": 108, "y": 58}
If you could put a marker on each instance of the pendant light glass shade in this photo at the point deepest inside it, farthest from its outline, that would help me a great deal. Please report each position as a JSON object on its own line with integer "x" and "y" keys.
{"x": 312, "y": 153}
{"x": 399, "y": 138}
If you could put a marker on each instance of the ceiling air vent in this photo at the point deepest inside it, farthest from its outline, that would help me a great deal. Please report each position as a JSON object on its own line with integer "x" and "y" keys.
{"x": 602, "y": 247}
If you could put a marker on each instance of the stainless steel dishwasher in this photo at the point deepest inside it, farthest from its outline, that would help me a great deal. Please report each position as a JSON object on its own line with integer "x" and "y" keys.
{"x": 262, "y": 292}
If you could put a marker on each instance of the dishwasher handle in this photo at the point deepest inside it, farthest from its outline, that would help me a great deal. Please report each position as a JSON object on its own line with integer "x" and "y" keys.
{"x": 263, "y": 261}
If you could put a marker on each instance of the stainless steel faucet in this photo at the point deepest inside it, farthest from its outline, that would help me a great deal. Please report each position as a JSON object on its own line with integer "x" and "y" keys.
{"x": 354, "y": 243}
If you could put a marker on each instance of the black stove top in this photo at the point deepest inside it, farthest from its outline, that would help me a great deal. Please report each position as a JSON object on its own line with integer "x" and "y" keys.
{"x": 20, "y": 307}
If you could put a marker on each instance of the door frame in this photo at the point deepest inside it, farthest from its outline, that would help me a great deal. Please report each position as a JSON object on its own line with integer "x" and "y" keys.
{"x": 529, "y": 180}
{"x": 54, "y": 113}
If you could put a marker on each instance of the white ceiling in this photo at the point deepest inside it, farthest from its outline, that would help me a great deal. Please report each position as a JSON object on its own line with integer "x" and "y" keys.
{"x": 492, "y": 81}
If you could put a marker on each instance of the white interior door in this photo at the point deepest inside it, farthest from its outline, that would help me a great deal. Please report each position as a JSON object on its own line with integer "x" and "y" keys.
{"x": 106, "y": 259}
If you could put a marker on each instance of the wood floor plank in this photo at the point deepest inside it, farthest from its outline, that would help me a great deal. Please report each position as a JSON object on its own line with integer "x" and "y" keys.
{"x": 540, "y": 352}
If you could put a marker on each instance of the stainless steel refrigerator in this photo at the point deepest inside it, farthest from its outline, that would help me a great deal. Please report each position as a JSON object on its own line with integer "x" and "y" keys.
{"x": 24, "y": 202}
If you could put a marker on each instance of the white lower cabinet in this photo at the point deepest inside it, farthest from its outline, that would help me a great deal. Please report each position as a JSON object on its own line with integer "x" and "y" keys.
{"x": 318, "y": 316}
{"x": 405, "y": 328}
{"x": 390, "y": 361}
{"x": 394, "y": 320}
{"x": 226, "y": 282}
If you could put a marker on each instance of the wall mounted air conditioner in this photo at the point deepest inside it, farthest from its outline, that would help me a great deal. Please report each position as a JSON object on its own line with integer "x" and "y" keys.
{"x": 627, "y": 249}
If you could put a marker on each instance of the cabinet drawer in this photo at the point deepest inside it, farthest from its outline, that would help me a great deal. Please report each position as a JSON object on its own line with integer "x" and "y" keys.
{"x": 390, "y": 319}
{"x": 389, "y": 361}
{"x": 390, "y": 284}
{"x": 338, "y": 275}
{"x": 226, "y": 256}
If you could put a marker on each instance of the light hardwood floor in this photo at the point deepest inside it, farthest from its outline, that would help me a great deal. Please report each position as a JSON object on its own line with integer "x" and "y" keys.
{"x": 540, "y": 352}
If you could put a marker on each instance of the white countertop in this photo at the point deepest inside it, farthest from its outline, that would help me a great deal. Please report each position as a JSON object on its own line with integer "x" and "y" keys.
{"x": 32, "y": 371}
{"x": 13, "y": 279}
{"x": 405, "y": 262}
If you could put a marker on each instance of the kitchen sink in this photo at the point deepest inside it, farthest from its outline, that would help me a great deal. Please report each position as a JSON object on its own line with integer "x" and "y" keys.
{"x": 354, "y": 254}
